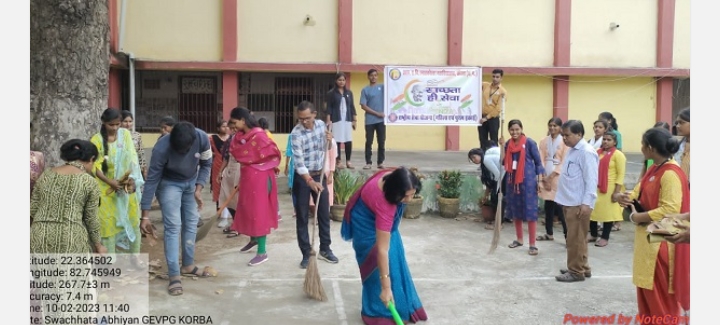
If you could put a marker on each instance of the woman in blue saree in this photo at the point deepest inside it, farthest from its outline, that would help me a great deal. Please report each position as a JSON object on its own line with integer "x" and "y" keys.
{"x": 371, "y": 221}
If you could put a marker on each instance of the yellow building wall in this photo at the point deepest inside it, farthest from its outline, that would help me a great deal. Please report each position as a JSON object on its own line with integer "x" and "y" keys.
{"x": 174, "y": 30}
{"x": 633, "y": 44}
{"x": 400, "y": 32}
{"x": 273, "y": 31}
{"x": 681, "y": 40}
{"x": 529, "y": 99}
{"x": 508, "y": 33}
{"x": 631, "y": 101}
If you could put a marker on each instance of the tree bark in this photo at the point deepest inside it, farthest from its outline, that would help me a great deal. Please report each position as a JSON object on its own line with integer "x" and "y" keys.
{"x": 69, "y": 67}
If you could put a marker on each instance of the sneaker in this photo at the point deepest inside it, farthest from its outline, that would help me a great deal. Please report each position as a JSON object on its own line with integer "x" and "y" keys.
{"x": 304, "y": 263}
{"x": 328, "y": 256}
{"x": 249, "y": 245}
{"x": 258, "y": 259}
{"x": 223, "y": 223}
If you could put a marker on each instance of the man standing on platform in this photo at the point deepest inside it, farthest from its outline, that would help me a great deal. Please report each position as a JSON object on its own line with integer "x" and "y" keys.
{"x": 372, "y": 101}
{"x": 577, "y": 193}
{"x": 494, "y": 96}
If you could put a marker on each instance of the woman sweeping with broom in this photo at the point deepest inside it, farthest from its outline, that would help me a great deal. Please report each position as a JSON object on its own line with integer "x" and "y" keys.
{"x": 371, "y": 221}
{"x": 259, "y": 158}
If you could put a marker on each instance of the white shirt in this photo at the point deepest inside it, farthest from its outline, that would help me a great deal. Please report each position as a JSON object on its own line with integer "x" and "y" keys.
{"x": 492, "y": 163}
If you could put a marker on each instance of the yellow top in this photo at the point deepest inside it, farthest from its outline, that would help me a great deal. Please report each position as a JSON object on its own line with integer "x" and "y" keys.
{"x": 645, "y": 254}
{"x": 492, "y": 95}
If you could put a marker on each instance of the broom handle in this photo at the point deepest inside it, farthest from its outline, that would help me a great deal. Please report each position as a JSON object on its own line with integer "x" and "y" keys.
{"x": 498, "y": 210}
{"x": 227, "y": 201}
{"x": 322, "y": 179}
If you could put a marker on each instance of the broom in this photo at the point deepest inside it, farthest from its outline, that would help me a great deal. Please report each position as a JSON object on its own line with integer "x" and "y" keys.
{"x": 205, "y": 228}
{"x": 498, "y": 212}
{"x": 313, "y": 285}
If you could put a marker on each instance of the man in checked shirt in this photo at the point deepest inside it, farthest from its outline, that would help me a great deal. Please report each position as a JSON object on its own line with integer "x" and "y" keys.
{"x": 310, "y": 139}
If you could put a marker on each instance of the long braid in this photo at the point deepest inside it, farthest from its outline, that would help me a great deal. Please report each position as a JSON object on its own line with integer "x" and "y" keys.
{"x": 103, "y": 133}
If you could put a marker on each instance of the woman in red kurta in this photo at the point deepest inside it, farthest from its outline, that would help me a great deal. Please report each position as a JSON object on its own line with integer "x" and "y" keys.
{"x": 257, "y": 205}
{"x": 217, "y": 141}
{"x": 661, "y": 271}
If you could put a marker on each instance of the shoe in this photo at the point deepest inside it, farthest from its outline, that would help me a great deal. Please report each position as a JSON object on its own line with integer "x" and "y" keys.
{"x": 587, "y": 274}
{"x": 328, "y": 256}
{"x": 258, "y": 259}
{"x": 223, "y": 223}
{"x": 368, "y": 166}
{"x": 569, "y": 277}
{"x": 305, "y": 261}
{"x": 200, "y": 223}
{"x": 249, "y": 245}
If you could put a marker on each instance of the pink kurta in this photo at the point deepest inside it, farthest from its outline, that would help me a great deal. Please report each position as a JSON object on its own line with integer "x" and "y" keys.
{"x": 257, "y": 205}
{"x": 551, "y": 164}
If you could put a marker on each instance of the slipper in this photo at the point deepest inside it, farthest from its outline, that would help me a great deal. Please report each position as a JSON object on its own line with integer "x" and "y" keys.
{"x": 515, "y": 243}
{"x": 228, "y": 231}
{"x": 533, "y": 251}
{"x": 601, "y": 243}
{"x": 367, "y": 167}
{"x": 381, "y": 166}
{"x": 175, "y": 288}
{"x": 232, "y": 234}
{"x": 545, "y": 237}
{"x": 207, "y": 272}
{"x": 349, "y": 166}
{"x": 616, "y": 227}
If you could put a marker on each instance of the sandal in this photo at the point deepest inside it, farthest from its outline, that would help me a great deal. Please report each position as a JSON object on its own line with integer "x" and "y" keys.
{"x": 533, "y": 251}
{"x": 381, "y": 166}
{"x": 491, "y": 226}
{"x": 601, "y": 243}
{"x": 545, "y": 237}
{"x": 349, "y": 166}
{"x": 515, "y": 243}
{"x": 228, "y": 231}
{"x": 232, "y": 234}
{"x": 206, "y": 273}
{"x": 616, "y": 227}
{"x": 175, "y": 288}
{"x": 591, "y": 239}
{"x": 367, "y": 167}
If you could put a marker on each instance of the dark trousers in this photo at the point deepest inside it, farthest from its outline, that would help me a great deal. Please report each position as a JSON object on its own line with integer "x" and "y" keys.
{"x": 488, "y": 131}
{"x": 553, "y": 209}
{"x": 607, "y": 227}
{"x": 348, "y": 151}
{"x": 370, "y": 130}
{"x": 302, "y": 194}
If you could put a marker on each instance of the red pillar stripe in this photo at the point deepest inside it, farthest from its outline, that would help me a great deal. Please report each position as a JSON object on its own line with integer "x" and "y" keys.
{"x": 345, "y": 26}
{"x": 561, "y": 58}
{"x": 454, "y": 58}
{"x": 114, "y": 89}
{"x": 665, "y": 38}
{"x": 229, "y": 54}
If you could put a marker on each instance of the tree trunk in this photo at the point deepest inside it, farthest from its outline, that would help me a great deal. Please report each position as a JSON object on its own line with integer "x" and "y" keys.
{"x": 69, "y": 66}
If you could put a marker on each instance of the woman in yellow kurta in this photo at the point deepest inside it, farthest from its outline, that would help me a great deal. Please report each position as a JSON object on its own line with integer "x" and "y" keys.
{"x": 611, "y": 177}
{"x": 660, "y": 270}
{"x": 119, "y": 211}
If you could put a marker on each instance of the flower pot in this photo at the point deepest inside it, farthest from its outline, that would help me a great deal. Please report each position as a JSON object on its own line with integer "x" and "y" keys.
{"x": 337, "y": 212}
{"x": 488, "y": 212}
{"x": 413, "y": 208}
{"x": 449, "y": 208}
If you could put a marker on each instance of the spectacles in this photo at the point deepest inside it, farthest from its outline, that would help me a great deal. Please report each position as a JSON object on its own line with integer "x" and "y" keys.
{"x": 305, "y": 118}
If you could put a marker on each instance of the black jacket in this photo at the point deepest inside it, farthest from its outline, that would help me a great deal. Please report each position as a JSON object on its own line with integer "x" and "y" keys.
{"x": 333, "y": 100}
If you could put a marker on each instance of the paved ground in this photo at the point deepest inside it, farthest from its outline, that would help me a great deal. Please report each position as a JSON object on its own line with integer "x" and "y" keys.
{"x": 457, "y": 280}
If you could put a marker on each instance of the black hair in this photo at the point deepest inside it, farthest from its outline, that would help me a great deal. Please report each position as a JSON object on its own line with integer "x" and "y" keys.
{"x": 306, "y": 105}
{"x": 126, "y": 114}
{"x": 168, "y": 120}
{"x": 575, "y": 126}
{"x": 338, "y": 76}
{"x": 398, "y": 182}
{"x": 663, "y": 125}
{"x": 556, "y": 120}
{"x": 612, "y": 135}
{"x": 263, "y": 123}
{"x": 220, "y": 123}
{"x": 242, "y": 113}
{"x": 370, "y": 72}
{"x": 486, "y": 177}
{"x": 182, "y": 137}
{"x": 612, "y": 121}
{"x": 685, "y": 114}
{"x": 604, "y": 123}
{"x": 513, "y": 122}
{"x": 498, "y": 71}
{"x": 662, "y": 141}
{"x": 108, "y": 115}
{"x": 76, "y": 149}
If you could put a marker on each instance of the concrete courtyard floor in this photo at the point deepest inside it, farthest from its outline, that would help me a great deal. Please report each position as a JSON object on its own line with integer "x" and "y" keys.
{"x": 458, "y": 281}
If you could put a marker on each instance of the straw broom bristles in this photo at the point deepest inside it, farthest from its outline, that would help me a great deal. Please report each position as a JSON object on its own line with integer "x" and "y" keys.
{"x": 313, "y": 285}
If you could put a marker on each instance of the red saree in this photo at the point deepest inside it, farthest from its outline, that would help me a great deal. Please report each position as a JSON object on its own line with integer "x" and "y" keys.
{"x": 257, "y": 206}
{"x": 651, "y": 302}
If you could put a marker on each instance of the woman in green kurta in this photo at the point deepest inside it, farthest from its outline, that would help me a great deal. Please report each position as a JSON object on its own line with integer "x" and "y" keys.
{"x": 64, "y": 205}
{"x": 119, "y": 210}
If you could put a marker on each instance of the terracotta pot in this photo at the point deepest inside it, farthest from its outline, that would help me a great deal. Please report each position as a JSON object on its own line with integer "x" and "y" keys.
{"x": 488, "y": 212}
{"x": 449, "y": 208}
{"x": 336, "y": 212}
{"x": 413, "y": 208}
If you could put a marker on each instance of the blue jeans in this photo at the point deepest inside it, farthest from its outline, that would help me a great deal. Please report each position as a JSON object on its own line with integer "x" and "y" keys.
{"x": 179, "y": 212}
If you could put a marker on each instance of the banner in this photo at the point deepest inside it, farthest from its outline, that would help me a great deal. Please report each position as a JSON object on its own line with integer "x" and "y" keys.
{"x": 432, "y": 95}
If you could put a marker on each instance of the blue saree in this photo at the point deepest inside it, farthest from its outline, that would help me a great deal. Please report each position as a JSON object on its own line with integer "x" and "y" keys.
{"x": 359, "y": 226}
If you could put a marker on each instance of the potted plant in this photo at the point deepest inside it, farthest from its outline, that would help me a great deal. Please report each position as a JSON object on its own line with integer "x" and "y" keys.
{"x": 345, "y": 184}
{"x": 448, "y": 186}
{"x": 414, "y": 207}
